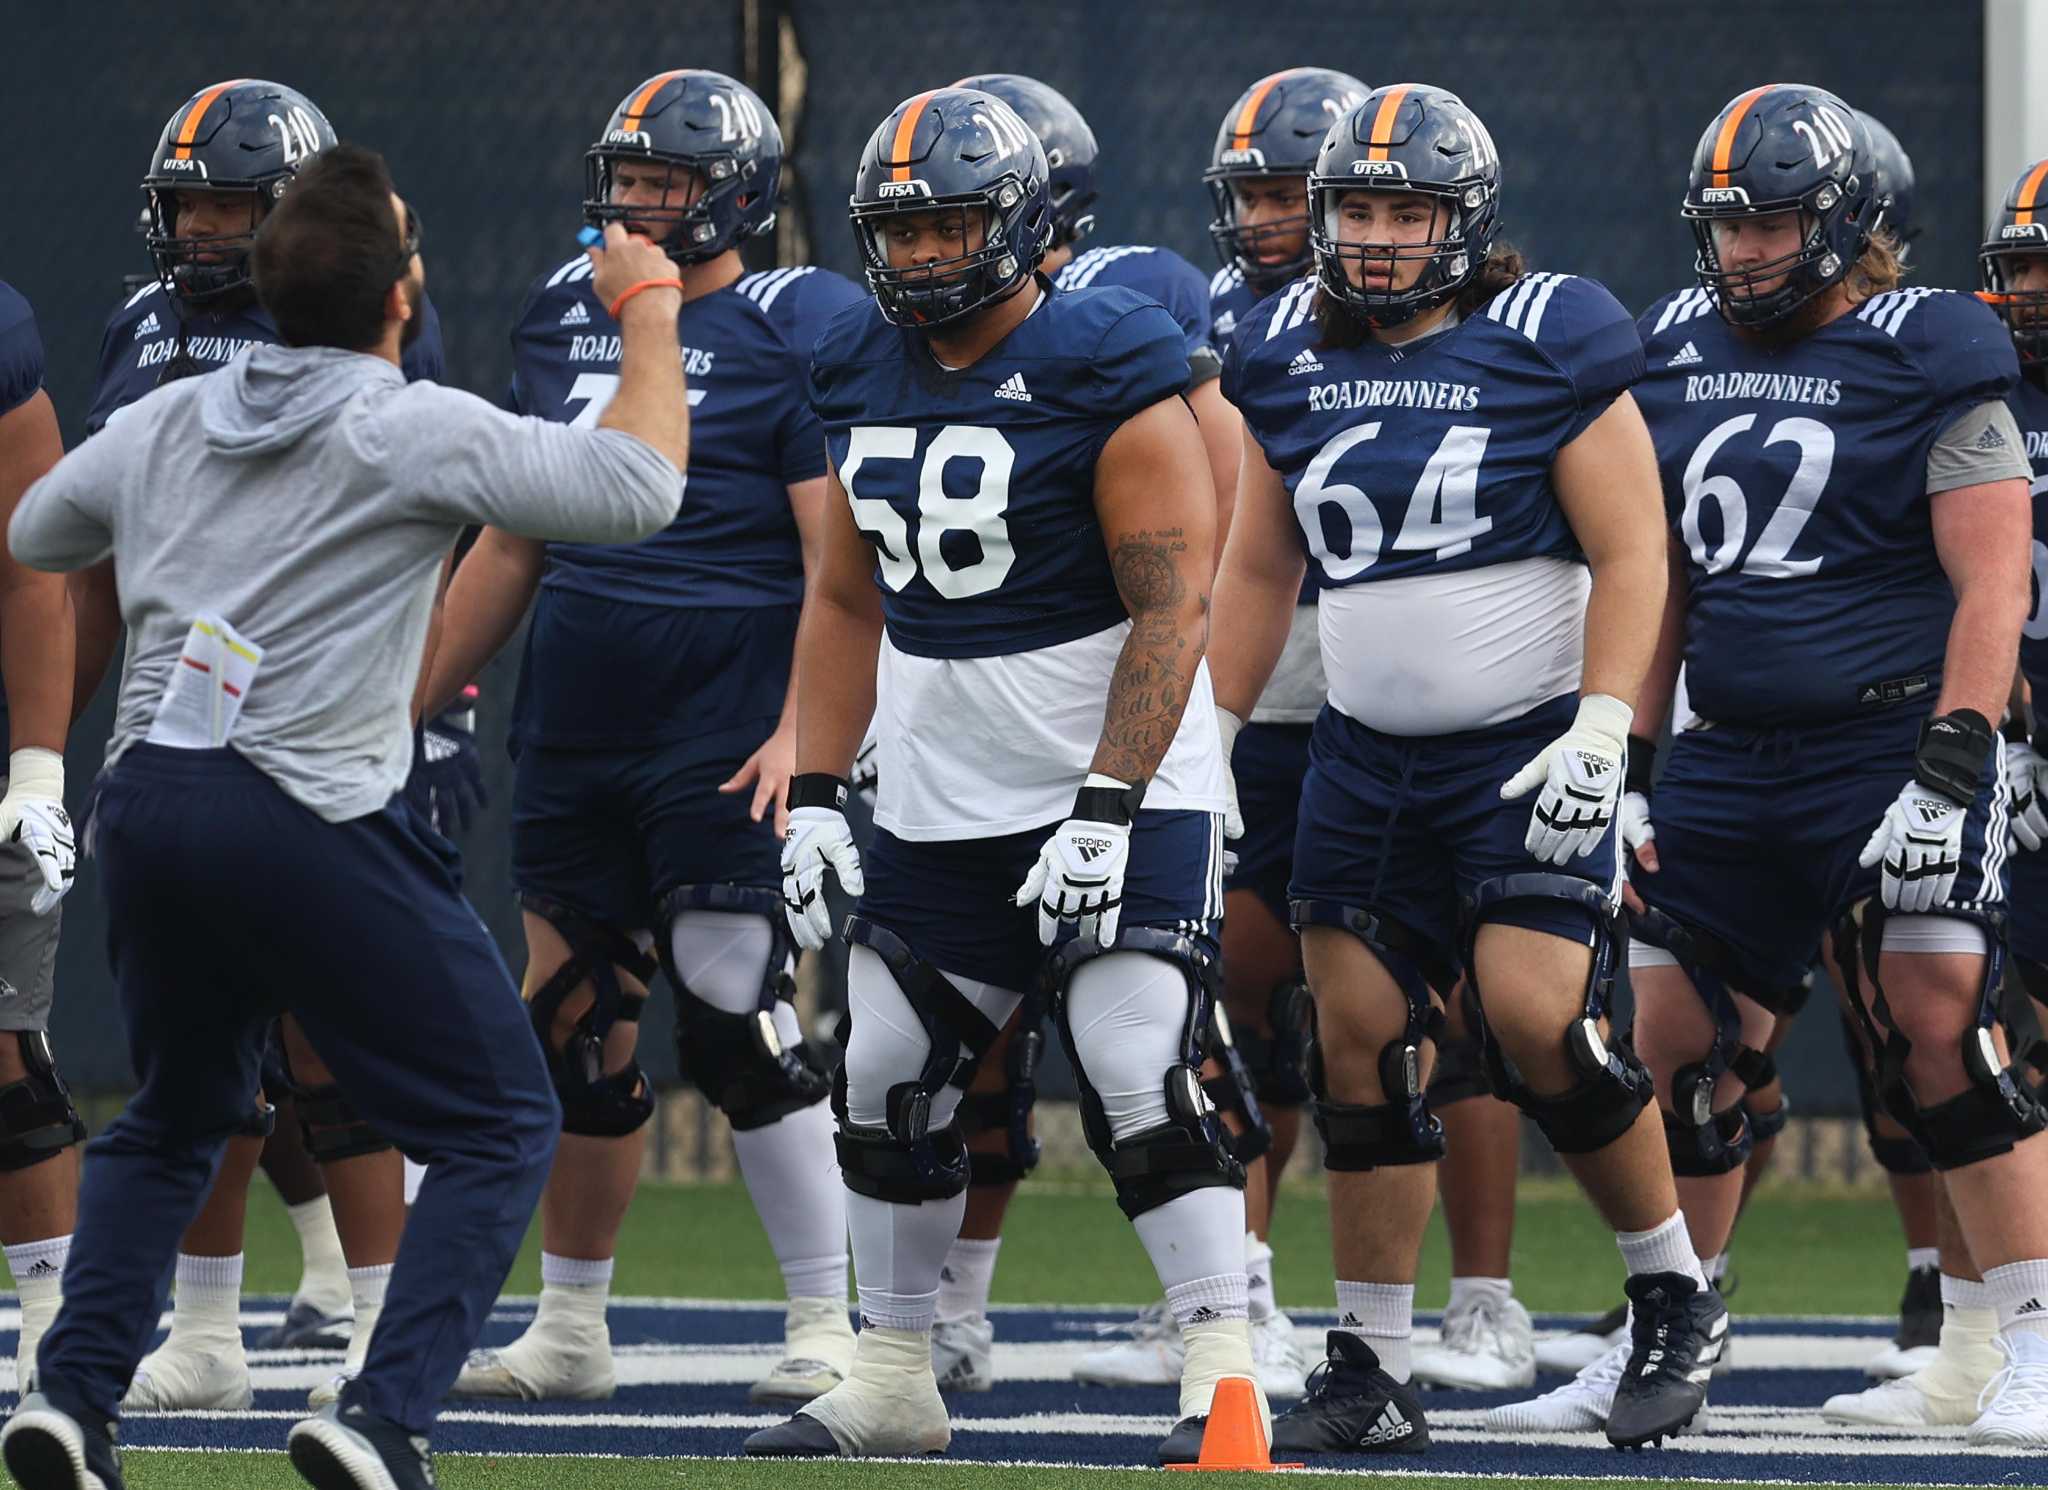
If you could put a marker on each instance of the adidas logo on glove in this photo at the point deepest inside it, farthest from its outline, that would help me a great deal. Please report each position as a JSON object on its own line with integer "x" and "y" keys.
{"x": 1932, "y": 810}
{"x": 1093, "y": 848}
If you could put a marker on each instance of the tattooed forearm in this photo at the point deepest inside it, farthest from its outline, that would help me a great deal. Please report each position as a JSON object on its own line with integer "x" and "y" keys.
{"x": 1155, "y": 672}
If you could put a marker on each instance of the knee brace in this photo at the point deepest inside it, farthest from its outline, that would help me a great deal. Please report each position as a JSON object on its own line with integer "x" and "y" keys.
{"x": 594, "y": 1104}
{"x": 1613, "y": 1088}
{"x": 1233, "y": 1089}
{"x": 739, "y": 1061}
{"x": 907, "y": 1161}
{"x": 1765, "y": 1126}
{"x": 1278, "y": 1061}
{"x": 1998, "y": 1108}
{"x": 1705, "y": 1142}
{"x": 328, "y": 1122}
{"x": 260, "y": 1123}
{"x": 1460, "y": 1073}
{"x": 1009, "y": 1111}
{"x": 37, "y": 1118}
{"x": 1401, "y": 1130}
{"x": 1894, "y": 1155}
{"x": 1189, "y": 1151}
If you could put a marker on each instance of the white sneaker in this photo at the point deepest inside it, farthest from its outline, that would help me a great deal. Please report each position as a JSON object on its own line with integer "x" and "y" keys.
{"x": 2014, "y": 1405}
{"x": 1151, "y": 1357}
{"x": 1488, "y": 1345}
{"x": 1567, "y": 1355}
{"x": 889, "y": 1402}
{"x": 330, "y": 1389}
{"x": 1942, "y": 1394}
{"x": 817, "y": 1352}
{"x": 192, "y": 1372}
{"x": 960, "y": 1354}
{"x": 1282, "y": 1368}
{"x": 1893, "y": 1362}
{"x": 1581, "y": 1405}
{"x": 538, "y": 1367}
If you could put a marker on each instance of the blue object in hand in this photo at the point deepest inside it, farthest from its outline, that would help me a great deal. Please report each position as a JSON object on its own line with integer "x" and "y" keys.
{"x": 588, "y": 236}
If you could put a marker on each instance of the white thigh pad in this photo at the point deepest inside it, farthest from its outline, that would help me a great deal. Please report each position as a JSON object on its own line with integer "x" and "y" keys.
{"x": 1127, "y": 1011}
{"x": 721, "y": 956}
{"x": 1933, "y": 933}
{"x": 887, "y": 1045}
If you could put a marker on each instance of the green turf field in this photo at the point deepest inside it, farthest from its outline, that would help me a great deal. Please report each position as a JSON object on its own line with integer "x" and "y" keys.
{"x": 1800, "y": 1250}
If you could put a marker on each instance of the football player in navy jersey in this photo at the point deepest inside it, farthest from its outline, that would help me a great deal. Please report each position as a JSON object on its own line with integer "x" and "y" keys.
{"x": 1021, "y": 531}
{"x": 224, "y": 157}
{"x": 38, "y": 1123}
{"x": 1847, "y": 493}
{"x": 653, "y": 733}
{"x": 1483, "y": 636}
{"x": 996, "y": 1112}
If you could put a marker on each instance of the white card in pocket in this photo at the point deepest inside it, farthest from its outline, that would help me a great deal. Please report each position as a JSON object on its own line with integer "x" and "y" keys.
{"x": 204, "y": 697}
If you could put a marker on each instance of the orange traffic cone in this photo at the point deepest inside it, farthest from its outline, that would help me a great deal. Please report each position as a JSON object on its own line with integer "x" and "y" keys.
{"x": 1235, "y": 1437}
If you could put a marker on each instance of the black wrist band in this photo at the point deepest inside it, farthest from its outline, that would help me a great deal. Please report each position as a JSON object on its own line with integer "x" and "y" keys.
{"x": 1954, "y": 749}
{"x": 2014, "y": 728}
{"x": 1108, "y": 804}
{"x": 817, "y": 789}
{"x": 1642, "y": 765}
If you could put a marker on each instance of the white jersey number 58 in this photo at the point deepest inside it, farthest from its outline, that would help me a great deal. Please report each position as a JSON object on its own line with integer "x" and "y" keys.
{"x": 984, "y": 514}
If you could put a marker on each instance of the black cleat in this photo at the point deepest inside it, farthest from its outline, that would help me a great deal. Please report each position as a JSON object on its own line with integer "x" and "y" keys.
{"x": 348, "y": 1447}
{"x": 1184, "y": 1444}
{"x": 305, "y": 1328}
{"x": 1678, "y": 1334}
{"x": 1920, "y": 1310}
{"x": 1352, "y": 1407}
{"x": 800, "y": 1438}
{"x": 49, "y": 1446}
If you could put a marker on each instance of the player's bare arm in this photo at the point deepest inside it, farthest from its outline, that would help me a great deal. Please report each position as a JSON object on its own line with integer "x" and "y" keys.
{"x": 1983, "y": 536}
{"x": 491, "y": 589}
{"x": 36, "y": 627}
{"x": 1222, "y": 430}
{"x": 837, "y": 642}
{"x": 1157, "y": 506}
{"x": 1256, "y": 585}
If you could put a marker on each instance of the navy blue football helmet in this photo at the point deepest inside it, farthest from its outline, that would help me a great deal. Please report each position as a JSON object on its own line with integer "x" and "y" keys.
{"x": 1275, "y": 128}
{"x": 244, "y": 135}
{"x": 1894, "y": 183}
{"x": 1407, "y": 138}
{"x": 706, "y": 123}
{"x": 959, "y": 150}
{"x": 1069, "y": 147}
{"x": 1783, "y": 147}
{"x": 2019, "y": 227}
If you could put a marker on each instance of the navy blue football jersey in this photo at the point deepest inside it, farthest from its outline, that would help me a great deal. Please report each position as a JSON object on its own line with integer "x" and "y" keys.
{"x": 746, "y": 354}
{"x": 1159, "y": 274}
{"x": 2029, "y": 404}
{"x": 21, "y": 351}
{"x": 142, "y": 338}
{"x": 1435, "y": 455}
{"x": 1230, "y": 301}
{"x": 977, "y": 488}
{"x": 1795, "y": 475}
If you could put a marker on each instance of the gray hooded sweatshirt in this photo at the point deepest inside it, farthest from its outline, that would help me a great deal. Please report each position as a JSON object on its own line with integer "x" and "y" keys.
{"x": 308, "y": 497}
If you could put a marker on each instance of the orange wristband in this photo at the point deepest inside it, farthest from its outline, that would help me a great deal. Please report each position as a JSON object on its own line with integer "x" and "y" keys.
{"x": 645, "y": 284}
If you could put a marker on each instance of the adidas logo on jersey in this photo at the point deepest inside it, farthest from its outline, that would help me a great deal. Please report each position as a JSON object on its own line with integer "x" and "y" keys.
{"x": 149, "y": 327}
{"x": 1304, "y": 362}
{"x": 576, "y": 315}
{"x": 1991, "y": 439}
{"x": 1013, "y": 387}
{"x": 1390, "y": 1427}
{"x": 1686, "y": 356}
{"x": 1091, "y": 848}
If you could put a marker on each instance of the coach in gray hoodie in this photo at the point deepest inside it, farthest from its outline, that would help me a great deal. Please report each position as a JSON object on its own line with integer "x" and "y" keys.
{"x": 279, "y": 528}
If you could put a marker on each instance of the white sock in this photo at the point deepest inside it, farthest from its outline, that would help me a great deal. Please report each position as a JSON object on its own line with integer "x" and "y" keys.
{"x": 1258, "y": 1278}
{"x": 38, "y": 1268}
{"x": 964, "y": 1281}
{"x": 1466, "y": 1291}
{"x": 1661, "y": 1249}
{"x": 1383, "y": 1316}
{"x": 573, "y": 1290}
{"x": 793, "y": 1179}
{"x": 1196, "y": 1235}
{"x": 1206, "y": 1300}
{"x": 1964, "y": 1293}
{"x": 323, "y": 1275}
{"x": 208, "y": 1298}
{"x": 2019, "y": 1290}
{"x": 898, "y": 1254}
{"x": 1922, "y": 1257}
{"x": 366, "y": 1286}
{"x": 1715, "y": 1267}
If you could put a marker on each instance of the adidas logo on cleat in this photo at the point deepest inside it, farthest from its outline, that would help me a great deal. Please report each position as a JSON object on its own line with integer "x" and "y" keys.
{"x": 1013, "y": 388}
{"x": 1390, "y": 1428}
{"x": 576, "y": 315}
{"x": 149, "y": 327}
{"x": 1304, "y": 362}
{"x": 1686, "y": 356}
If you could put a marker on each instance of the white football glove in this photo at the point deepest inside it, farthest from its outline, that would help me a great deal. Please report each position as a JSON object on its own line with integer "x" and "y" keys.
{"x": 2027, "y": 771}
{"x": 1920, "y": 842}
{"x": 32, "y": 814}
{"x": 1079, "y": 876}
{"x": 1227, "y": 726}
{"x": 1581, "y": 776}
{"x": 818, "y": 838}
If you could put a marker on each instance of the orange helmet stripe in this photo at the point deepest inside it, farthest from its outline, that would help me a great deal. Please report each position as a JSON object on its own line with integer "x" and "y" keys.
{"x": 196, "y": 111}
{"x": 1383, "y": 122}
{"x": 2030, "y": 193}
{"x": 1248, "y": 116}
{"x": 637, "y": 109}
{"x": 906, "y": 135}
{"x": 1724, "y": 143}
